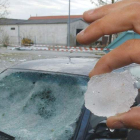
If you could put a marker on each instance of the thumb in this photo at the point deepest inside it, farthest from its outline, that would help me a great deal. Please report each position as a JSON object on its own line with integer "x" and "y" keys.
{"x": 130, "y": 119}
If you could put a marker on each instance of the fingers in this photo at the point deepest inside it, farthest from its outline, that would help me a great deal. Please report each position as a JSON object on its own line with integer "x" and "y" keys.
{"x": 120, "y": 20}
{"x": 130, "y": 119}
{"x": 125, "y": 54}
{"x": 94, "y": 14}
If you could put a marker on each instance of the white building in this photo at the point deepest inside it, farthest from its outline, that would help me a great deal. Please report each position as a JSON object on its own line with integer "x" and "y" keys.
{"x": 51, "y": 30}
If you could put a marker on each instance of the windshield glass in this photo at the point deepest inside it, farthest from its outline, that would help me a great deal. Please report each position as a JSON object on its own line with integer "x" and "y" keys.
{"x": 40, "y": 106}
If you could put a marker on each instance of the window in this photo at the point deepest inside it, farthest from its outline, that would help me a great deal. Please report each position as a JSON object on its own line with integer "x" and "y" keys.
{"x": 78, "y": 31}
{"x": 13, "y": 28}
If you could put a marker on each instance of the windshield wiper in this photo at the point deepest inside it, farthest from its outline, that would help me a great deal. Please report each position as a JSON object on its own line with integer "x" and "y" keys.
{"x": 4, "y": 136}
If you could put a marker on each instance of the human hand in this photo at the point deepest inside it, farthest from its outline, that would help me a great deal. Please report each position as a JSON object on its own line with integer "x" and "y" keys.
{"x": 109, "y": 19}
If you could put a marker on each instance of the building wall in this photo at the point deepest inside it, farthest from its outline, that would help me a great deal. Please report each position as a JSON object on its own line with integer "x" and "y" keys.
{"x": 50, "y": 34}
{"x": 6, "y": 32}
{"x": 73, "y": 30}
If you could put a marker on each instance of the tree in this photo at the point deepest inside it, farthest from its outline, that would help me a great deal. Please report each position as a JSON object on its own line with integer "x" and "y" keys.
{"x": 4, "y": 37}
{"x": 4, "y": 4}
{"x": 102, "y": 2}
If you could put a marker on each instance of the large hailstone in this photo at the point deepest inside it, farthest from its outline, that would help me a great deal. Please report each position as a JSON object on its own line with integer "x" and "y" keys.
{"x": 111, "y": 93}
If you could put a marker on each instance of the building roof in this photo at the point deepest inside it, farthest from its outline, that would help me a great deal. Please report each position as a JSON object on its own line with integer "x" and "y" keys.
{"x": 46, "y": 21}
{"x": 54, "y": 17}
{"x": 5, "y": 21}
{"x": 50, "y": 21}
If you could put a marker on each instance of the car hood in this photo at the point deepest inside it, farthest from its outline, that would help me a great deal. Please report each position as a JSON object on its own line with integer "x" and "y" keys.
{"x": 80, "y": 66}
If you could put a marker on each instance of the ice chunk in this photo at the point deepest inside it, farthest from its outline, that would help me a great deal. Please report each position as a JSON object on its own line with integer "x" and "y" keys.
{"x": 135, "y": 71}
{"x": 111, "y": 93}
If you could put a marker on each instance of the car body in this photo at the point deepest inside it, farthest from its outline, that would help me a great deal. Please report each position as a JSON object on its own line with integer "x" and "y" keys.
{"x": 44, "y": 99}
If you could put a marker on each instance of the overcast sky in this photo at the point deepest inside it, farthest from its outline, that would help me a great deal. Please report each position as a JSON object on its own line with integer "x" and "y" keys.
{"x": 23, "y": 9}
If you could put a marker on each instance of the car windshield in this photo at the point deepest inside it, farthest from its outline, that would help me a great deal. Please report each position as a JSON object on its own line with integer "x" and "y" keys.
{"x": 39, "y": 105}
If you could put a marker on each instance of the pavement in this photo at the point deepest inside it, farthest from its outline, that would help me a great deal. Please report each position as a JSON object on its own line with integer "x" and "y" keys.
{"x": 9, "y": 58}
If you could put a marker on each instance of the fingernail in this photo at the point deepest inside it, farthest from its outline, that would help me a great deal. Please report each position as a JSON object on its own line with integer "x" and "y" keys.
{"x": 118, "y": 125}
{"x": 90, "y": 12}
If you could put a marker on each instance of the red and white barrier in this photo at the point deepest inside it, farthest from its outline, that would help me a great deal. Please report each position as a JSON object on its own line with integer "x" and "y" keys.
{"x": 56, "y": 48}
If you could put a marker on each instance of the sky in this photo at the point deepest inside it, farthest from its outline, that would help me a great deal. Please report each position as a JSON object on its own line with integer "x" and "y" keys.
{"x": 23, "y": 9}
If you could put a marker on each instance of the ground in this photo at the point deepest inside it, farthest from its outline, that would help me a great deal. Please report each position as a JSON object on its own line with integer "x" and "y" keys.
{"x": 9, "y": 58}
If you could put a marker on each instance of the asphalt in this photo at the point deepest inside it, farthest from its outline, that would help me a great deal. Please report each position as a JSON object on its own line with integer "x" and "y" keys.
{"x": 9, "y": 58}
